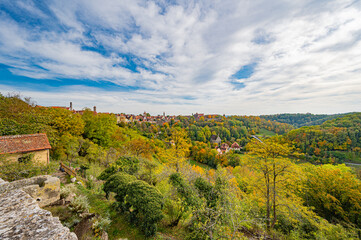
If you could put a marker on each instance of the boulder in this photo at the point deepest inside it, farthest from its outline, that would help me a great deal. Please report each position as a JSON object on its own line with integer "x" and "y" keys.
{"x": 22, "y": 218}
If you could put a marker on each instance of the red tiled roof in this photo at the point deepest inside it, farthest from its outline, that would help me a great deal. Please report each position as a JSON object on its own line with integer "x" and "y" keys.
{"x": 23, "y": 143}
{"x": 235, "y": 145}
{"x": 67, "y": 108}
{"x": 224, "y": 146}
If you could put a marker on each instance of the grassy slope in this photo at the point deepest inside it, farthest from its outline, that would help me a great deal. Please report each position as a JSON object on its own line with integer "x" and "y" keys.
{"x": 300, "y": 119}
{"x": 266, "y": 133}
{"x": 202, "y": 165}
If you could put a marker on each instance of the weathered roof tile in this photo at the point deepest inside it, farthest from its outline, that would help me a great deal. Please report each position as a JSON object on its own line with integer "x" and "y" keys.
{"x": 23, "y": 143}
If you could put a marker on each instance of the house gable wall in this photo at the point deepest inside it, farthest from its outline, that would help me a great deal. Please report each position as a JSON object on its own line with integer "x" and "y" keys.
{"x": 41, "y": 156}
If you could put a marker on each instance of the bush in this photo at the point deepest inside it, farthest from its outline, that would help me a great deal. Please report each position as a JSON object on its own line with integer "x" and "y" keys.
{"x": 174, "y": 212}
{"x": 145, "y": 204}
{"x": 26, "y": 158}
{"x": 100, "y": 224}
{"x": 80, "y": 205}
{"x": 14, "y": 170}
{"x": 128, "y": 165}
{"x": 184, "y": 190}
{"x": 118, "y": 184}
{"x": 66, "y": 190}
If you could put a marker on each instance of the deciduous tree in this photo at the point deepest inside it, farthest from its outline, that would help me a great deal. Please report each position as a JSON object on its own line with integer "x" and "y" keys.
{"x": 272, "y": 160}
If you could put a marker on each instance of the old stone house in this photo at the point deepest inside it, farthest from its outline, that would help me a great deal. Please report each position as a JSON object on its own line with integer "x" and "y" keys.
{"x": 20, "y": 148}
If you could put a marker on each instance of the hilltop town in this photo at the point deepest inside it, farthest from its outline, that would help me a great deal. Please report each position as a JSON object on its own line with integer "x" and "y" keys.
{"x": 123, "y": 118}
{"x": 146, "y": 117}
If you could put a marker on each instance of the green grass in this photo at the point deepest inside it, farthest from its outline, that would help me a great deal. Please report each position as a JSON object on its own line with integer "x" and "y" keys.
{"x": 202, "y": 165}
{"x": 266, "y": 133}
{"x": 121, "y": 228}
{"x": 243, "y": 156}
{"x": 95, "y": 170}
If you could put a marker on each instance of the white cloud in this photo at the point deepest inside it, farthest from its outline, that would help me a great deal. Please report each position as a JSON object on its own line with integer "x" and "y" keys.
{"x": 185, "y": 54}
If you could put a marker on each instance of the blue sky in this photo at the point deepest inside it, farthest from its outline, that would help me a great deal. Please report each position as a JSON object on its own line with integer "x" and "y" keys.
{"x": 228, "y": 57}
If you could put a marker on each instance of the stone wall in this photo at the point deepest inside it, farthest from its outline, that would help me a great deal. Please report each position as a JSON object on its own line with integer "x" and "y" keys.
{"x": 44, "y": 189}
{"x": 20, "y": 215}
{"x": 41, "y": 156}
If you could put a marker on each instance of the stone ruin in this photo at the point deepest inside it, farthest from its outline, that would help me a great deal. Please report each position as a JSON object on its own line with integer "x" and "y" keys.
{"x": 20, "y": 214}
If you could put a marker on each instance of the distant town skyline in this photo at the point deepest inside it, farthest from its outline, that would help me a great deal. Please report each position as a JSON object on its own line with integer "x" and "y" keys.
{"x": 181, "y": 57}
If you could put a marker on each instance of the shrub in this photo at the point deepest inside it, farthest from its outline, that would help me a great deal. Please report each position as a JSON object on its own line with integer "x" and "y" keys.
{"x": 118, "y": 184}
{"x": 128, "y": 165}
{"x": 14, "y": 170}
{"x": 145, "y": 204}
{"x": 66, "y": 190}
{"x": 184, "y": 190}
{"x": 79, "y": 205}
{"x": 26, "y": 158}
{"x": 174, "y": 212}
{"x": 100, "y": 224}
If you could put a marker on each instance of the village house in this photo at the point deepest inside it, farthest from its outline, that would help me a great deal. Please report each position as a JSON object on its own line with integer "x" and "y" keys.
{"x": 197, "y": 116}
{"x": 81, "y": 112}
{"x": 235, "y": 147}
{"x": 121, "y": 118}
{"x": 224, "y": 147}
{"x": 216, "y": 139}
{"x": 25, "y": 147}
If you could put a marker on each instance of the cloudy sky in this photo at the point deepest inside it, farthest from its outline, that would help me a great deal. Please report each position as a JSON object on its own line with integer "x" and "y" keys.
{"x": 214, "y": 56}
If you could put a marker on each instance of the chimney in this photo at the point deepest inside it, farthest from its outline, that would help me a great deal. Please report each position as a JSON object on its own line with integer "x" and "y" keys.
{"x": 71, "y": 106}
{"x": 95, "y": 109}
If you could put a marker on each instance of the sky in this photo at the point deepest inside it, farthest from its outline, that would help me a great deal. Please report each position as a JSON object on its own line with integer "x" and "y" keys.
{"x": 234, "y": 57}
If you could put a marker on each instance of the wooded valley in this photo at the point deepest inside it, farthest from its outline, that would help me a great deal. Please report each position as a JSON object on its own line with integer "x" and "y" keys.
{"x": 285, "y": 178}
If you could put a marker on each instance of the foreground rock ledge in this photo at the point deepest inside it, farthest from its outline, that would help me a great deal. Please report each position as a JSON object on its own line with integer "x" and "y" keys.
{"x": 22, "y": 218}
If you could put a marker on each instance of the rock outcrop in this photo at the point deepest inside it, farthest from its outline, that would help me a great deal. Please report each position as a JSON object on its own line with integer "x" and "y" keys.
{"x": 20, "y": 214}
{"x": 44, "y": 189}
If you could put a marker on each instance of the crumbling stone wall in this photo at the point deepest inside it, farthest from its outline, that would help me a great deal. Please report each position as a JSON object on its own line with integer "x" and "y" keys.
{"x": 20, "y": 215}
{"x": 44, "y": 189}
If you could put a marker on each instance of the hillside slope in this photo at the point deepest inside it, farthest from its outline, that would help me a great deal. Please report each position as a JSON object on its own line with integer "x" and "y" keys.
{"x": 336, "y": 140}
{"x": 302, "y": 119}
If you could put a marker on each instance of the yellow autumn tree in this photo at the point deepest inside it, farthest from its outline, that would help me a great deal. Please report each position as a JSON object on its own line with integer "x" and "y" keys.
{"x": 271, "y": 159}
{"x": 140, "y": 148}
{"x": 177, "y": 150}
{"x": 334, "y": 192}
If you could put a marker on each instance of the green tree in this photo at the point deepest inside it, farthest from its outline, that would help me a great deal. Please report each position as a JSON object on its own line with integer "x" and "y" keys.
{"x": 99, "y": 128}
{"x": 64, "y": 121}
{"x": 144, "y": 203}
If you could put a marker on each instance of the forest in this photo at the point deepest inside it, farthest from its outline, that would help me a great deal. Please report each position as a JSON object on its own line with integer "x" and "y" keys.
{"x": 302, "y": 119}
{"x": 168, "y": 180}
